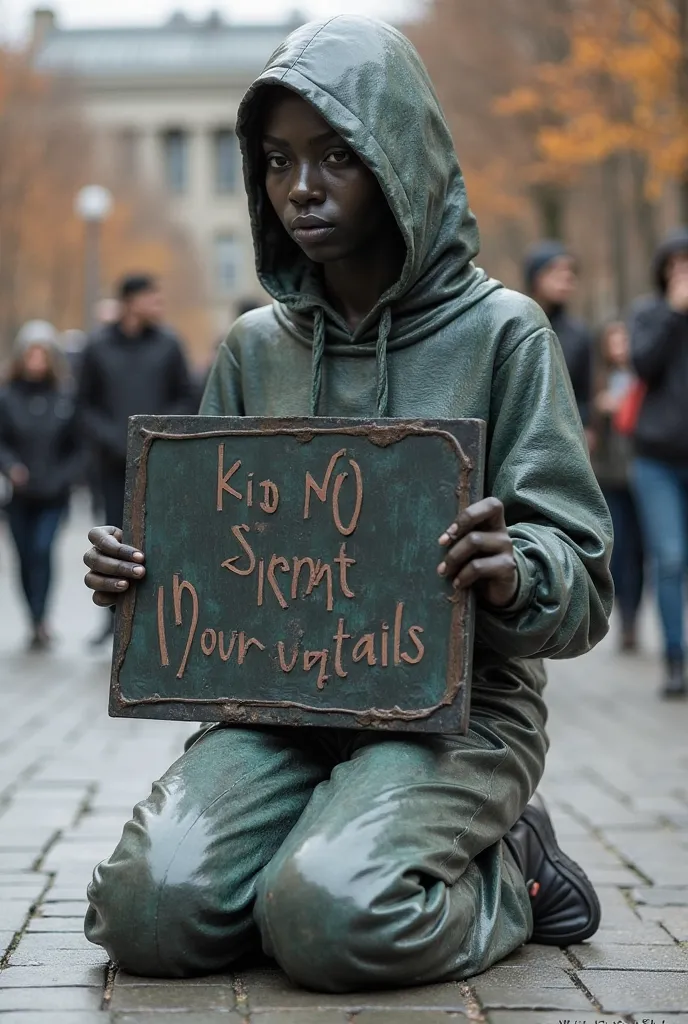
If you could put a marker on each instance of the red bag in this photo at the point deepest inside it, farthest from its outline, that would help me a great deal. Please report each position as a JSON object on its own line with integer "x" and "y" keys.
{"x": 628, "y": 412}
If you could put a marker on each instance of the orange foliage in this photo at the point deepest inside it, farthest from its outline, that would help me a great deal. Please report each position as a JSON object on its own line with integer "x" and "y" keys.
{"x": 472, "y": 65}
{"x": 616, "y": 91}
{"x": 45, "y": 158}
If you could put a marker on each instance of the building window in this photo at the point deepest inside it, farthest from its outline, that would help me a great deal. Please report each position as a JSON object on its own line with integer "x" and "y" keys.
{"x": 226, "y": 161}
{"x": 175, "y": 151}
{"x": 227, "y": 264}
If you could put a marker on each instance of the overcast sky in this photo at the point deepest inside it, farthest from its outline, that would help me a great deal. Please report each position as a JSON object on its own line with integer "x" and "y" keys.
{"x": 15, "y": 15}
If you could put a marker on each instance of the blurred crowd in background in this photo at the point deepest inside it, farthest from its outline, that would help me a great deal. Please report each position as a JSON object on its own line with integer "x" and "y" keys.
{"x": 571, "y": 121}
{"x": 67, "y": 399}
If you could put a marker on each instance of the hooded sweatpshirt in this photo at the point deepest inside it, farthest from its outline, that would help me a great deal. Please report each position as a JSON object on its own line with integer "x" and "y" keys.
{"x": 446, "y": 341}
{"x": 659, "y": 344}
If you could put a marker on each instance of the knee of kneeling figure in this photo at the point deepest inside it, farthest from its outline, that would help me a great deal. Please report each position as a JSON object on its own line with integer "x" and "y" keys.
{"x": 316, "y": 918}
{"x": 124, "y": 914}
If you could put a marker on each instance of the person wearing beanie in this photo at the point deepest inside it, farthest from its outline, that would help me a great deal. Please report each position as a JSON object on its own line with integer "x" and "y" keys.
{"x": 551, "y": 278}
{"x": 41, "y": 456}
{"x": 659, "y": 345}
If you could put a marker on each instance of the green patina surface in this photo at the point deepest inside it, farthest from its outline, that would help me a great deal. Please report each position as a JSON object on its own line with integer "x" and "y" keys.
{"x": 234, "y": 623}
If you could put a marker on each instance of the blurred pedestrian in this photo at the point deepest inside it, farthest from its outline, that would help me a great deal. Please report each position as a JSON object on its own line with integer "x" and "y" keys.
{"x": 41, "y": 455}
{"x": 551, "y": 278}
{"x": 659, "y": 341}
{"x": 133, "y": 366}
{"x": 611, "y": 461}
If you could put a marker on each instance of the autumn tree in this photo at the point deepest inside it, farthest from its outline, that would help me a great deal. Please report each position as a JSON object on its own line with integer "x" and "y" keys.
{"x": 477, "y": 53}
{"x": 38, "y": 143}
{"x": 46, "y": 156}
{"x": 617, "y": 102}
{"x": 570, "y": 120}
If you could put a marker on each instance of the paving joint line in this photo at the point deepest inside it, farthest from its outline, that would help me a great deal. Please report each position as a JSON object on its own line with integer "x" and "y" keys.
{"x": 86, "y": 805}
{"x": 475, "y": 1011}
{"x": 37, "y": 864}
{"x": 108, "y": 988}
{"x": 580, "y": 985}
{"x": 241, "y": 996}
{"x": 21, "y": 932}
{"x": 627, "y": 894}
{"x": 672, "y": 937}
{"x": 606, "y": 843}
{"x": 14, "y": 739}
{"x": 626, "y": 801}
{"x": 8, "y": 794}
{"x": 605, "y": 785}
{"x": 576, "y": 964}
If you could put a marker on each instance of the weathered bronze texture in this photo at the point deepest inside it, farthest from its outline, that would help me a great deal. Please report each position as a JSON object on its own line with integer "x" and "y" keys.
{"x": 292, "y": 572}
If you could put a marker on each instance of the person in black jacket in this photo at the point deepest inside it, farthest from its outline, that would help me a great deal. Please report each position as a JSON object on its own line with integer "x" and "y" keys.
{"x": 659, "y": 340}
{"x": 551, "y": 278}
{"x": 41, "y": 455}
{"x": 130, "y": 367}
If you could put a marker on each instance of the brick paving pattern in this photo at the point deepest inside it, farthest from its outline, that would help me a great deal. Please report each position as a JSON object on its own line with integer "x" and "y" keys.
{"x": 617, "y": 785}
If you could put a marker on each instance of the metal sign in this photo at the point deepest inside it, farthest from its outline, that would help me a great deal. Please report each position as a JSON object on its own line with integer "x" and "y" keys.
{"x": 292, "y": 572}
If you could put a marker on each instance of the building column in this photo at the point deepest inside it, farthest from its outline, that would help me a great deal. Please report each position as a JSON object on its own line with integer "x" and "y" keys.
{"x": 201, "y": 198}
{"x": 150, "y": 159}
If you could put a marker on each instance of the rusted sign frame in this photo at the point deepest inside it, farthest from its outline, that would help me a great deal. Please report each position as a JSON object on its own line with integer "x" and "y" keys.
{"x": 450, "y": 714}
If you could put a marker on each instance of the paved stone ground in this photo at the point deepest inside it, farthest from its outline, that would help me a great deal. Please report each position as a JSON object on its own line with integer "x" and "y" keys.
{"x": 617, "y": 783}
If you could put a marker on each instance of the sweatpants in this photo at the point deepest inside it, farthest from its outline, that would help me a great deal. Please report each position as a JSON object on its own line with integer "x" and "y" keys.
{"x": 355, "y": 859}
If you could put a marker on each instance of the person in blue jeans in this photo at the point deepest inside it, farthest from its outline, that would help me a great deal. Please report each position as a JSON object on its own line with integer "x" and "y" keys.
{"x": 41, "y": 456}
{"x": 611, "y": 459}
{"x": 659, "y": 340}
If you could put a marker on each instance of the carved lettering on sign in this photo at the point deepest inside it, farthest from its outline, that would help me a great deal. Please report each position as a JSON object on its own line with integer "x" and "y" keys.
{"x": 285, "y": 581}
{"x": 322, "y": 493}
{"x": 291, "y": 572}
{"x": 270, "y": 500}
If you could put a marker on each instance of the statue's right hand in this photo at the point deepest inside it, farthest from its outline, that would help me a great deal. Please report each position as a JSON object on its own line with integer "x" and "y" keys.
{"x": 113, "y": 566}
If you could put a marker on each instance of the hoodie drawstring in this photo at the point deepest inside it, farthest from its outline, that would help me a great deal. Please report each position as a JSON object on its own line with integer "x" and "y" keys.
{"x": 318, "y": 353}
{"x": 380, "y": 359}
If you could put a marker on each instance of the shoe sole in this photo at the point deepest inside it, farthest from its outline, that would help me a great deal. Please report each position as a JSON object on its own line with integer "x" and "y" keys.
{"x": 572, "y": 872}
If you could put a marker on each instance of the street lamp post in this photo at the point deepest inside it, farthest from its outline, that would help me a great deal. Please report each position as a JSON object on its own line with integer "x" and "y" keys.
{"x": 93, "y": 205}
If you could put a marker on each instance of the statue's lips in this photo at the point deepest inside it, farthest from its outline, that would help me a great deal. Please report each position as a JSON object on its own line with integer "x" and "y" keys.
{"x": 311, "y": 229}
{"x": 314, "y": 234}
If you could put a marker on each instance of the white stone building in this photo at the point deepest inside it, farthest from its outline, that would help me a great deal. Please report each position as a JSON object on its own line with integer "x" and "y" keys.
{"x": 163, "y": 103}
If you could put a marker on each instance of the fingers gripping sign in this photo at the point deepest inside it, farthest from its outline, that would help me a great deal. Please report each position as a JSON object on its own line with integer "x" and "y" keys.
{"x": 479, "y": 553}
{"x": 113, "y": 566}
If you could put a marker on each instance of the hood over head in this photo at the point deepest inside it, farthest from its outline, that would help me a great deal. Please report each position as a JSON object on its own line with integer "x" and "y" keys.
{"x": 369, "y": 83}
{"x": 676, "y": 241}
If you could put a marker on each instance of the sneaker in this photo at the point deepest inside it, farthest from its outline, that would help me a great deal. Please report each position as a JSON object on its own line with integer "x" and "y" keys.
{"x": 566, "y": 909}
